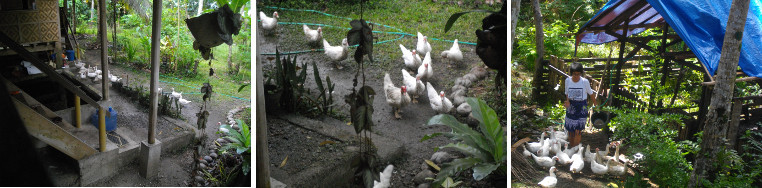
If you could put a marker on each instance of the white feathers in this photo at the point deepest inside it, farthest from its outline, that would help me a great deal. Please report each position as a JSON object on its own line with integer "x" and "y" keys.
{"x": 423, "y": 45}
{"x": 453, "y": 53}
{"x": 269, "y": 23}
{"x": 336, "y": 53}
{"x": 312, "y": 35}
{"x": 384, "y": 177}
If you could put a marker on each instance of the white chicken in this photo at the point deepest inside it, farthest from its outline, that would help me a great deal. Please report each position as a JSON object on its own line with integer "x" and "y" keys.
{"x": 454, "y": 53}
{"x": 183, "y": 101}
{"x": 269, "y": 23}
{"x": 409, "y": 58}
{"x": 423, "y": 45}
{"x": 534, "y": 146}
{"x": 313, "y": 36}
{"x": 396, "y": 97}
{"x": 577, "y": 162}
{"x": 425, "y": 71}
{"x": 598, "y": 168}
{"x": 550, "y": 180}
{"x": 176, "y": 94}
{"x": 384, "y": 177}
{"x": 336, "y": 53}
{"x": 545, "y": 161}
{"x": 439, "y": 103}
{"x": 414, "y": 85}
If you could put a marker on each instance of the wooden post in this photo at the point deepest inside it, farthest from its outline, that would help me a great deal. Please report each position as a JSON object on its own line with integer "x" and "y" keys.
{"x": 104, "y": 47}
{"x": 263, "y": 159}
{"x": 622, "y": 42}
{"x": 155, "y": 42}
{"x": 719, "y": 116}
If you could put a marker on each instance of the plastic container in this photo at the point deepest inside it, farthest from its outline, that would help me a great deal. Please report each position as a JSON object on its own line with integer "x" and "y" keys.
{"x": 70, "y": 55}
{"x": 110, "y": 120}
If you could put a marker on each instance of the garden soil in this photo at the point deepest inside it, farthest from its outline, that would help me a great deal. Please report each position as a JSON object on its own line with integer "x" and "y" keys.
{"x": 408, "y": 130}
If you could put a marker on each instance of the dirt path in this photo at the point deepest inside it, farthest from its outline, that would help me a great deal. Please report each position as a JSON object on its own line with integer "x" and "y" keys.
{"x": 411, "y": 128}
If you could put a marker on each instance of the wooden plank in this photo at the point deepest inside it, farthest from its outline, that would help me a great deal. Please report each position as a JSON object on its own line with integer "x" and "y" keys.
{"x": 45, "y": 130}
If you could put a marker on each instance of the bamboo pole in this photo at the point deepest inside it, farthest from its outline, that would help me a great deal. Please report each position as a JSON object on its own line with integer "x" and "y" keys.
{"x": 77, "y": 112}
{"x": 102, "y": 128}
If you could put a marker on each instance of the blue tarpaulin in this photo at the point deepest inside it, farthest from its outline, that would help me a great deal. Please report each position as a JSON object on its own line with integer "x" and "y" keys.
{"x": 700, "y": 23}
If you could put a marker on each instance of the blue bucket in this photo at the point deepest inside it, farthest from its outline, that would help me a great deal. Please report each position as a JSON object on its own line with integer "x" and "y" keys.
{"x": 110, "y": 120}
{"x": 70, "y": 55}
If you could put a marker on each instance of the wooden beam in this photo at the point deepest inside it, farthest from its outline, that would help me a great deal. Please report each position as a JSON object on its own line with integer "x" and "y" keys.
{"x": 47, "y": 69}
{"x": 639, "y": 57}
{"x": 746, "y": 79}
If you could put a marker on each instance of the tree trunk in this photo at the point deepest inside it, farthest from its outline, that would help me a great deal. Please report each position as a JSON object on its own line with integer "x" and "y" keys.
{"x": 540, "y": 42}
{"x": 718, "y": 117}
{"x": 200, "y": 7}
{"x": 515, "y": 7}
{"x": 92, "y": 9}
{"x": 231, "y": 68}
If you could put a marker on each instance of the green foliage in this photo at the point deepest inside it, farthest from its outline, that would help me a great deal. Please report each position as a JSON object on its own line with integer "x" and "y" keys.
{"x": 287, "y": 79}
{"x": 325, "y": 98}
{"x": 485, "y": 150}
{"x": 652, "y": 135}
{"x": 235, "y": 5}
{"x": 241, "y": 143}
{"x": 448, "y": 183}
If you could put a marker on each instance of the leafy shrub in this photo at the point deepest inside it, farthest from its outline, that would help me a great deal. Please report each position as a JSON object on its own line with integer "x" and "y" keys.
{"x": 485, "y": 150}
{"x": 241, "y": 143}
{"x": 652, "y": 135}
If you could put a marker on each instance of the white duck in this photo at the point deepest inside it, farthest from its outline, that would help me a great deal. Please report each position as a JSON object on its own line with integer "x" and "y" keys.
{"x": 589, "y": 155}
{"x": 577, "y": 162}
{"x": 423, "y": 45}
{"x": 269, "y": 23}
{"x": 454, "y": 53}
{"x": 555, "y": 147}
{"x": 604, "y": 153}
{"x": 114, "y": 78}
{"x": 395, "y": 97}
{"x": 570, "y": 151}
{"x": 550, "y": 180}
{"x": 545, "y": 149}
{"x": 439, "y": 103}
{"x": 414, "y": 85}
{"x": 559, "y": 135}
{"x": 616, "y": 169}
{"x": 534, "y": 146}
{"x": 598, "y": 168}
{"x": 176, "y": 94}
{"x": 336, "y": 53}
{"x": 563, "y": 158}
{"x": 91, "y": 73}
{"x": 99, "y": 72}
{"x": 425, "y": 71}
{"x": 384, "y": 177}
{"x": 545, "y": 161}
{"x": 526, "y": 152}
{"x": 312, "y": 36}
{"x": 82, "y": 75}
{"x": 79, "y": 64}
{"x": 409, "y": 58}
{"x": 183, "y": 101}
